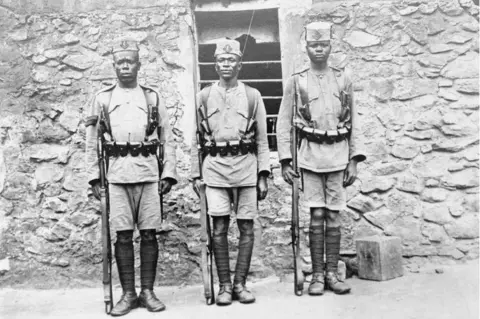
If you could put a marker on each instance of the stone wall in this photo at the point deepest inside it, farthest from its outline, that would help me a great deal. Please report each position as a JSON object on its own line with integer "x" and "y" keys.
{"x": 415, "y": 65}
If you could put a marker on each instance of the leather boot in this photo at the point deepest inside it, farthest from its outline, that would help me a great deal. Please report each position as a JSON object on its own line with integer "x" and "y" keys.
{"x": 127, "y": 302}
{"x": 317, "y": 285}
{"x": 126, "y": 273}
{"x": 148, "y": 268}
{"x": 332, "y": 245}
{"x": 242, "y": 294}
{"x": 334, "y": 284}
{"x": 147, "y": 299}
{"x": 224, "y": 297}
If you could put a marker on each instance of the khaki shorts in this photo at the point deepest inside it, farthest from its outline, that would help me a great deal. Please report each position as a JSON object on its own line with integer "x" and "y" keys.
{"x": 132, "y": 204}
{"x": 324, "y": 190}
{"x": 242, "y": 200}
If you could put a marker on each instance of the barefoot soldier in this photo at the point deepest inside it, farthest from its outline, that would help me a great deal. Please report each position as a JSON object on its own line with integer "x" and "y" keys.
{"x": 234, "y": 146}
{"x": 327, "y": 125}
{"x": 132, "y": 123}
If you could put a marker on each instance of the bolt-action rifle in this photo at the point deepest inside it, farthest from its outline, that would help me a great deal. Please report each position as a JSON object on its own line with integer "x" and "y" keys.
{"x": 105, "y": 207}
{"x": 295, "y": 227}
{"x": 160, "y": 156}
{"x": 206, "y": 234}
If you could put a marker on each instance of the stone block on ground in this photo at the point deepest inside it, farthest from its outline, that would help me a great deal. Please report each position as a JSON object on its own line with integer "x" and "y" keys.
{"x": 379, "y": 258}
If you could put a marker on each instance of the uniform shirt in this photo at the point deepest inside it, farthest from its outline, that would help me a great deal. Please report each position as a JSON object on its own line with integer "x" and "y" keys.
{"x": 325, "y": 108}
{"x": 128, "y": 114}
{"x": 227, "y": 115}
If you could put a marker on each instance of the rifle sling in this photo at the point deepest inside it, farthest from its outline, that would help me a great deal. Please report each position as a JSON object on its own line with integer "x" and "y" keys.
{"x": 252, "y": 106}
{"x": 152, "y": 106}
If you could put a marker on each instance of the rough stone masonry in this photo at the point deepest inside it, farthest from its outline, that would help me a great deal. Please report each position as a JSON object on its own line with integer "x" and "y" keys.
{"x": 415, "y": 65}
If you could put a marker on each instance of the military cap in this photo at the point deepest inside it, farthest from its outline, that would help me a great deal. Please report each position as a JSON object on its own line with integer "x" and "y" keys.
{"x": 125, "y": 45}
{"x": 318, "y": 31}
{"x": 228, "y": 46}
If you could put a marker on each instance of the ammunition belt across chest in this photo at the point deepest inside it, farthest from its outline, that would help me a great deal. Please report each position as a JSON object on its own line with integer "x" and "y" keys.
{"x": 322, "y": 136}
{"x": 230, "y": 147}
{"x": 114, "y": 149}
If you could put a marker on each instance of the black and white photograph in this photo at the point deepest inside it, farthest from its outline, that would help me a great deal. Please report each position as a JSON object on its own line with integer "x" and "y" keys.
{"x": 190, "y": 159}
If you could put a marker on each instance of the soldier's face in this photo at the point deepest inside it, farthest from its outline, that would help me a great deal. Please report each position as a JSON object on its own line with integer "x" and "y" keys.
{"x": 227, "y": 65}
{"x": 318, "y": 51}
{"x": 126, "y": 64}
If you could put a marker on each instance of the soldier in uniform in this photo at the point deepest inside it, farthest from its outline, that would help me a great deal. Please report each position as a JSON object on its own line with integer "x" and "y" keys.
{"x": 133, "y": 118}
{"x": 235, "y": 167}
{"x": 328, "y": 129}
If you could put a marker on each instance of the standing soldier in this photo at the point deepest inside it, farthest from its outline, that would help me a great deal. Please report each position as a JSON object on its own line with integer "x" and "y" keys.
{"x": 234, "y": 145}
{"x": 134, "y": 122}
{"x": 328, "y": 130}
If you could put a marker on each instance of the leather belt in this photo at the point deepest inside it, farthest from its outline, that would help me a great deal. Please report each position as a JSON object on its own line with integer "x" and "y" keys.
{"x": 230, "y": 147}
{"x": 114, "y": 149}
{"x": 321, "y": 136}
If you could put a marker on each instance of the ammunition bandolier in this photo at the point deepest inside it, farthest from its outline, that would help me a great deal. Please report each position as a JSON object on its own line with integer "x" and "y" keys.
{"x": 120, "y": 148}
{"x": 305, "y": 125}
{"x": 246, "y": 144}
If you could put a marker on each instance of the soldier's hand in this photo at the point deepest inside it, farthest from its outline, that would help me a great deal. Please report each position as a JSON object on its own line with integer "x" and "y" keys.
{"x": 165, "y": 185}
{"x": 288, "y": 173}
{"x": 262, "y": 187}
{"x": 96, "y": 190}
{"x": 350, "y": 173}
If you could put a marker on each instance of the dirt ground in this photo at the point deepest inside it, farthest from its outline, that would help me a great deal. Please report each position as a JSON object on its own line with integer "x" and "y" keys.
{"x": 451, "y": 294}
